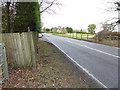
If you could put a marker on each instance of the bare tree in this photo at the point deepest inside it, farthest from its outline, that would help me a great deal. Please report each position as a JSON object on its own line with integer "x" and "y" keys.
{"x": 47, "y": 5}
{"x": 115, "y": 6}
{"x": 112, "y": 6}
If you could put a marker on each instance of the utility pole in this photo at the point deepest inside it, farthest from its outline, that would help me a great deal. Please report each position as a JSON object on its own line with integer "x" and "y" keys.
{"x": 0, "y": 20}
{"x": 118, "y": 18}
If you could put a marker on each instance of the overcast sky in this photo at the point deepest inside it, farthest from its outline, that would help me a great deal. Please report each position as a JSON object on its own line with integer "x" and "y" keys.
{"x": 78, "y": 14}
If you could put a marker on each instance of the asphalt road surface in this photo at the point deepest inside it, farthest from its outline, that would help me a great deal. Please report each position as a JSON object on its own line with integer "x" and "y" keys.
{"x": 99, "y": 61}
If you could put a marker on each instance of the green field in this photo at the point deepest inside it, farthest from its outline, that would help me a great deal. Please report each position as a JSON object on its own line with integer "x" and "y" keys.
{"x": 77, "y": 35}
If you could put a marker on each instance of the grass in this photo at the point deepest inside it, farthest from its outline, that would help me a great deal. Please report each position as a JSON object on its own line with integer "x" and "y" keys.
{"x": 76, "y": 35}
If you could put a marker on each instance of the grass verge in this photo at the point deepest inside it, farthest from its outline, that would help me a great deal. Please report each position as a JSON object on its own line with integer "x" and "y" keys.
{"x": 53, "y": 70}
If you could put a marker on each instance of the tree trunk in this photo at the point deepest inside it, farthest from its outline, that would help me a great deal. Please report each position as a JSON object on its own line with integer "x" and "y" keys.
{"x": 8, "y": 17}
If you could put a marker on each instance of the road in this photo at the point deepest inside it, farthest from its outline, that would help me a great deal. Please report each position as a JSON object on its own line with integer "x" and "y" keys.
{"x": 97, "y": 60}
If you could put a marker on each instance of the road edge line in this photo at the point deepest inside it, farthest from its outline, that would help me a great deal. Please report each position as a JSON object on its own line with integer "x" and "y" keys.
{"x": 82, "y": 68}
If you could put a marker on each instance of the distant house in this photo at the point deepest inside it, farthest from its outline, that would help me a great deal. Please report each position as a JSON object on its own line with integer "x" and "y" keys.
{"x": 59, "y": 29}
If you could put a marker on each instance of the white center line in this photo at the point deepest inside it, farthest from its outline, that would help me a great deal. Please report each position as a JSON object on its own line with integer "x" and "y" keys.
{"x": 94, "y": 49}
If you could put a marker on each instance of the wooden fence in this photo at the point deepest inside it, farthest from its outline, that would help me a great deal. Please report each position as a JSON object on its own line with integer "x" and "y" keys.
{"x": 3, "y": 64}
{"x": 20, "y": 48}
{"x": 76, "y": 35}
{"x": 104, "y": 39}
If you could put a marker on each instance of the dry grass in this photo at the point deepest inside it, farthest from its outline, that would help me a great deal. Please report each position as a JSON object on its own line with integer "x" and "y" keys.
{"x": 114, "y": 43}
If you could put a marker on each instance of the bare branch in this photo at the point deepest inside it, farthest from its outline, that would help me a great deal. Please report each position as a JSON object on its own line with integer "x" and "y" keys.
{"x": 46, "y": 5}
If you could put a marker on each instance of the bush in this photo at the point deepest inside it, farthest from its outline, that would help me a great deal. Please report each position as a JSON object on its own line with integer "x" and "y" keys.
{"x": 69, "y": 30}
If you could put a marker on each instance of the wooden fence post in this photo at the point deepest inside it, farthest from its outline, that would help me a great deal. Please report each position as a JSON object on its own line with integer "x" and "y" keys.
{"x": 81, "y": 36}
{"x": 110, "y": 37}
{"x": 87, "y": 36}
{"x": 3, "y": 64}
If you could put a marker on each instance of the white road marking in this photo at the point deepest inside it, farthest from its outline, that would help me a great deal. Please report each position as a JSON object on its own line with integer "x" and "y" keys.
{"x": 94, "y": 49}
{"x": 80, "y": 66}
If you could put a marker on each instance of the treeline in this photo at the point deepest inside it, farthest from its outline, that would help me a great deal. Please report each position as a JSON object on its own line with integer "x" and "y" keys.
{"x": 20, "y": 17}
{"x": 91, "y": 30}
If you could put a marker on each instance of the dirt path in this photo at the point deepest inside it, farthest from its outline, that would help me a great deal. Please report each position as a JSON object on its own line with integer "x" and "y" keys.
{"x": 54, "y": 70}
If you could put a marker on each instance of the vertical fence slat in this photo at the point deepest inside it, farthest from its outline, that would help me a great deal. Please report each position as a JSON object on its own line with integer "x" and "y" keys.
{"x": 20, "y": 50}
{"x": 33, "y": 54}
{"x": 26, "y": 47}
{"x": 15, "y": 49}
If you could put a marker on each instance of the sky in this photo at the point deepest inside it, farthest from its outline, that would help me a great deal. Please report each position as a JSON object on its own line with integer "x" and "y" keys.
{"x": 78, "y": 14}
